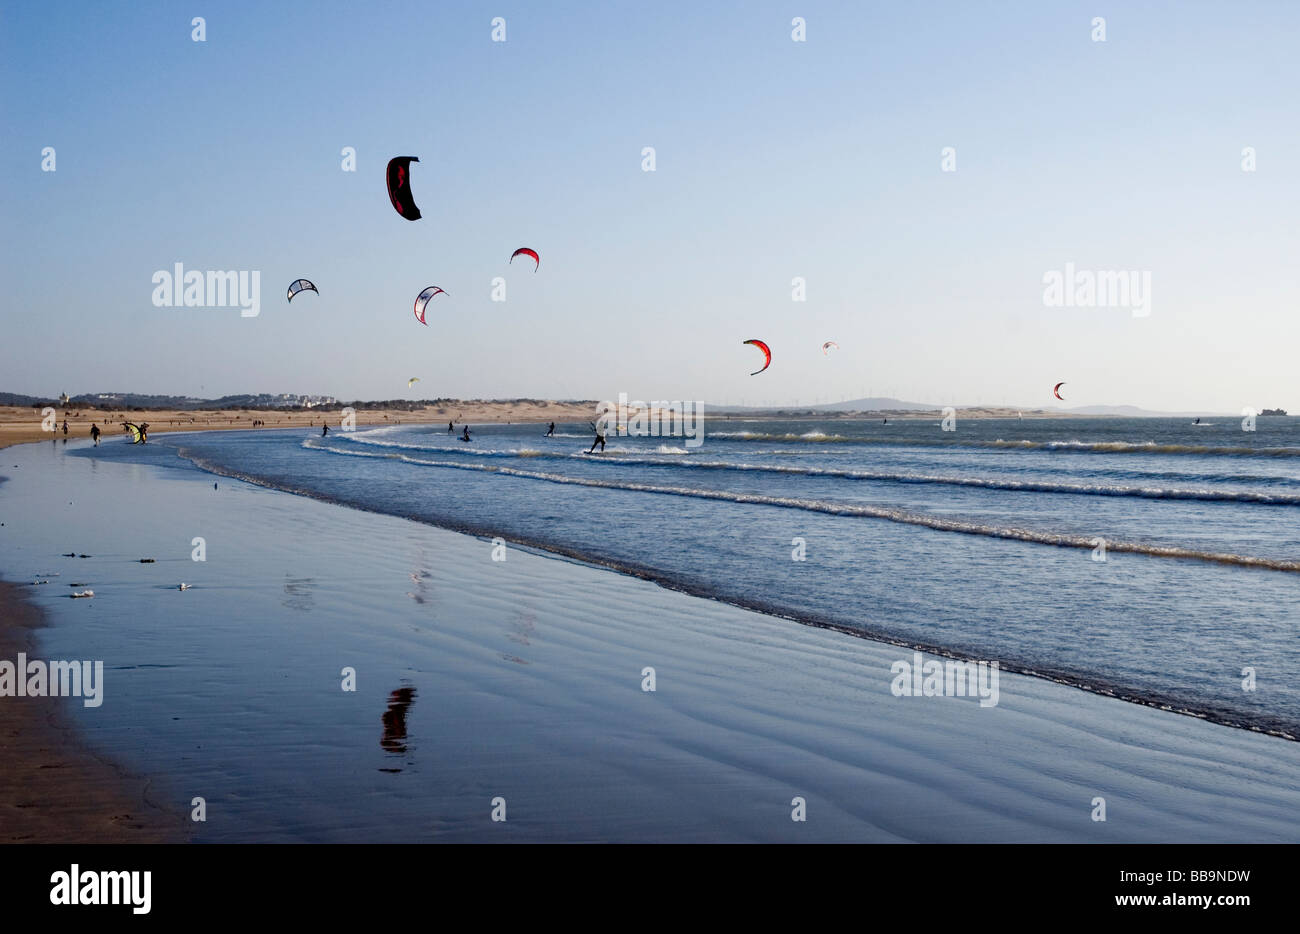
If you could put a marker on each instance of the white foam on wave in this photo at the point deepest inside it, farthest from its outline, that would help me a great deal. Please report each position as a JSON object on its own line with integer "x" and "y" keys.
{"x": 889, "y": 513}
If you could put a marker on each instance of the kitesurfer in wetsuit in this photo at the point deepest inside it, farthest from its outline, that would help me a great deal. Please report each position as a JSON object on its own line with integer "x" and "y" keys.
{"x": 551, "y": 431}
{"x": 465, "y": 436}
{"x": 450, "y": 428}
{"x": 600, "y": 439}
{"x": 324, "y": 430}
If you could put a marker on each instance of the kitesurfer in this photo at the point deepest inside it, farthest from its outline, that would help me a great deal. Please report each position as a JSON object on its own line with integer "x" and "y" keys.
{"x": 324, "y": 430}
{"x": 600, "y": 439}
{"x": 465, "y": 436}
{"x": 450, "y": 428}
{"x": 550, "y": 432}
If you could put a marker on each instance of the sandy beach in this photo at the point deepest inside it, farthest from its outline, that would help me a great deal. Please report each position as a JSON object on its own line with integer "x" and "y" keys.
{"x": 20, "y": 424}
{"x": 524, "y": 679}
{"x": 53, "y": 789}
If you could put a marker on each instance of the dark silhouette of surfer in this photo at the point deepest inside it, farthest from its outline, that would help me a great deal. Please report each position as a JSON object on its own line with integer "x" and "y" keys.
{"x": 465, "y": 436}
{"x": 600, "y": 438}
{"x": 550, "y": 431}
{"x": 324, "y": 430}
{"x": 94, "y": 433}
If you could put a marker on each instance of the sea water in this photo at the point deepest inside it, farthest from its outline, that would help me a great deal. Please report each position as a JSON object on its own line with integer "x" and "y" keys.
{"x": 1154, "y": 559}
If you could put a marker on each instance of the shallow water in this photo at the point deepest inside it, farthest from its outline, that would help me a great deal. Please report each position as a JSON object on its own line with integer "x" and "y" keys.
{"x": 981, "y": 541}
{"x": 521, "y": 679}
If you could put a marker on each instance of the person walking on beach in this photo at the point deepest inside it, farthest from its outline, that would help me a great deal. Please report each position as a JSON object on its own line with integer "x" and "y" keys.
{"x": 65, "y": 426}
{"x": 94, "y": 433}
{"x": 551, "y": 431}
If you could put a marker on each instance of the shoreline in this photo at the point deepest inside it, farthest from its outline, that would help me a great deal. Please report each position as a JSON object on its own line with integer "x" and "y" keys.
{"x": 1095, "y": 687}
{"x": 53, "y": 787}
{"x": 528, "y": 690}
{"x": 22, "y": 424}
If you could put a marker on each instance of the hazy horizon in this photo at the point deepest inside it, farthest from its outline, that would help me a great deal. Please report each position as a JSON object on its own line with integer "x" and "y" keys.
{"x": 830, "y": 408}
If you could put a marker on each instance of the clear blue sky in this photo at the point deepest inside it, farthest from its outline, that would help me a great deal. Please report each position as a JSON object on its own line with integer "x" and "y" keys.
{"x": 775, "y": 159}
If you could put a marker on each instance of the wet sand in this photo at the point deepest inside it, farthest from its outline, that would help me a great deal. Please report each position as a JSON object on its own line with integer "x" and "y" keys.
{"x": 523, "y": 679}
{"x": 53, "y": 789}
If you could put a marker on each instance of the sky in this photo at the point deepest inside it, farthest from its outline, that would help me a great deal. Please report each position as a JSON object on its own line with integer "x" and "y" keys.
{"x": 775, "y": 159}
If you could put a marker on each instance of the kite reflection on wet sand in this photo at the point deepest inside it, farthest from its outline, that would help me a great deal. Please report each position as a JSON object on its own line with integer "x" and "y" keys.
{"x": 298, "y": 593}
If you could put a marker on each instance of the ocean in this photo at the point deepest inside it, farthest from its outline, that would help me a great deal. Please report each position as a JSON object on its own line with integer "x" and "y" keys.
{"x": 1149, "y": 559}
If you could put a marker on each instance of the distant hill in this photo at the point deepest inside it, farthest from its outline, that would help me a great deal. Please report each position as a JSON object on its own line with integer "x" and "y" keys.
{"x": 135, "y": 400}
{"x": 1132, "y": 411}
{"x": 1119, "y": 411}
{"x": 131, "y": 400}
{"x": 13, "y": 398}
{"x": 876, "y": 404}
{"x": 853, "y": 405}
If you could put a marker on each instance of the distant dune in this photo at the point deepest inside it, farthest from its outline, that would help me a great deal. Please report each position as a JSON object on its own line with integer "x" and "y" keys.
{"x": 877, "y": 404}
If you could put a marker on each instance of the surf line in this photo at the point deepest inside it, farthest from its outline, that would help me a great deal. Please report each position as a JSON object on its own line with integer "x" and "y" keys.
{"x": 1060, "y": 540}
